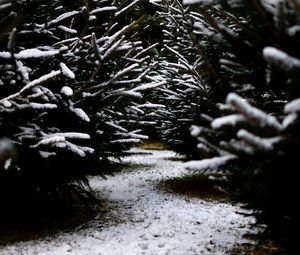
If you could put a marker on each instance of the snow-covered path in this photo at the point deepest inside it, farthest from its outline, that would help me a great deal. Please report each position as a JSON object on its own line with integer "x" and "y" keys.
{"x": 143, "y": 219}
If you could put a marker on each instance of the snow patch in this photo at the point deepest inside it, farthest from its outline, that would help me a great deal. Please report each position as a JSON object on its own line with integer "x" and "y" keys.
{"x": 66, "y": 71}
{"x": 265, "y": 144}
{"x": 143, "y": 219}
{"x": 254, "y": 115}
{"x": 293, "y": 106}
{"x": 67, "y": 91}
{"x": 230, "y": 120}
{"x": 197, "y": 1}
{"x": 211, "y": 163}
{"x": 81, "y": 114}
{"x": 281, "y": 59}
{"x": 103, "y": 9}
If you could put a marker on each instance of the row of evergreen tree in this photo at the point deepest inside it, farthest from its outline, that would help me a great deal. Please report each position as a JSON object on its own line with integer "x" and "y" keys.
{"x": 73, "y": 75}
{"x": 80, "y": 80}
{"x": 233, "y": 76}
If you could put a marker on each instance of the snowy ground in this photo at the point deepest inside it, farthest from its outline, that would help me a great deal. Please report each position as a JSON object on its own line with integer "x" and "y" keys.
{"x": 143, "y": 219}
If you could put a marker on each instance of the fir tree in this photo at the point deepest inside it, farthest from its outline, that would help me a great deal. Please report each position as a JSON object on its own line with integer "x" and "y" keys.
{"x": 186, "y": 92}
{"x": 255, "y": 50}
{"x": 72, "y": 81}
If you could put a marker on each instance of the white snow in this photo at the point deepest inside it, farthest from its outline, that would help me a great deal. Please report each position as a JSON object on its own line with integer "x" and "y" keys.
{"x": 80, "y": 113}
{"x": 195, "y": 130}
{"x": 230, "y": 120}
{"x": 281, "y": 59}
{"x": 71, "y": 135}
{"x": 67, "y": 91}
{"x": 143, "y": 219}
{"x": 103, "y": 9}
{"x": 46, "y": 154}
{"x": 132, "y": 135}
{"x": 37, "y": 106}
{"x": 35, "y": 53}
{"x": 62, "y": 17}
{"x": 253, "y": 114}
{"x": 39, "y": 81}
{"x": 111, "y": 49}
{"x": 129, "y": 140}
{"x": 265, "y": 144}
{"x": 7, "y": 163}
{"x": 75, "y": 149}
{"x": 210, "y": 163}
{"x": 23, "y": 70}
{"x": 149, "y": 86}
{"x": 4, "y": 5}
{"x": 290, "y": 120}
{"x": 151, "y": 105}
{"x": 292, "y": 31}
{"x": 50, "y": 140}
{"x": 6, "y": 104}
{"x": 125, "y": 71}
{"x": 66, "y": 71}
{"x": 127, "y": 7}
{"x": 114, "y": 125}
{"x": 197, "y": 1}
{"x": 131, "y": 93}
{"x": 67, "y": 29}
{"x": 5, "y": 54}
{"x": 293, "y": 106}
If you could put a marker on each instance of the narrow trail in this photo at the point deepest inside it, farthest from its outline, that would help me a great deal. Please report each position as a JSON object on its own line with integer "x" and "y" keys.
{"x": 142, "y": 219}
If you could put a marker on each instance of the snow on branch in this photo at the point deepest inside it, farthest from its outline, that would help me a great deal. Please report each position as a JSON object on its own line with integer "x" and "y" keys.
{"x": 37, "y": 106}
{"x": 176, "y": 53}
{"x": 103, "y": 9}
{"x": 110, "y": 123}
{"x": 67, "y": 91}
{"x": 76, "y": 149}
{"x": 129, "y": 140}
{"x": 254, "y": 115}
{"x": 49, "y": 141}
{"x": 144, "y": 51}
{"x": 126, "y": 8}
{"x": 197, "y": 1}
{"x": 111, "y": 49}
{"x": 195, "y": 130}
{"x": 290, "y": 120}
{"x": 230, "y": 120}
{"x": 130, "y": 93}
{"x": 67, "y": 29}
{"x": 40, "y": 80}
{"x": 71, "y": 135}
{"x": 66, "y": 71}
{"x": 206, "y": 164}
{"x": 5, "y": 5}
{"x": 281, "y": 59}
{"x": 60, "y": 141}
{"x": 33, "y": 84}
{"x": 293, "y": 106}
{"x": 23, "y": 71}
{"x": 151, "y": 105}
{"x": 124, "y": 71}
{"x": 149, "y": 86}
{"x": 80, "y": 113}
{"x": 264, "y": 144}
{"x": 62, "y": 17}
{"x": 29, "y": 53}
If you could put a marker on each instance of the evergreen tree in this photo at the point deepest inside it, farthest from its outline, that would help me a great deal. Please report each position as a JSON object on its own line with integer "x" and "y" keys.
{"x": 255, "y": 50}
{"x": 185, "y": 95}
{"x": 72, "y": 79}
